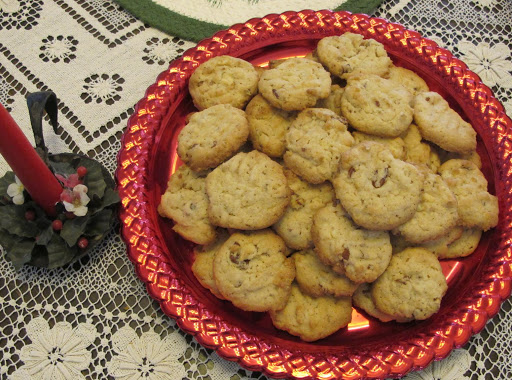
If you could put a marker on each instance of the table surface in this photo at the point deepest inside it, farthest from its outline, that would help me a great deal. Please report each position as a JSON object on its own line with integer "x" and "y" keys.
{"x": 94, "y": 319}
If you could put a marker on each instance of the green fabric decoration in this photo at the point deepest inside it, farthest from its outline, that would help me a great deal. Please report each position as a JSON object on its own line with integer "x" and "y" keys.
{"x": 192, "y": 29}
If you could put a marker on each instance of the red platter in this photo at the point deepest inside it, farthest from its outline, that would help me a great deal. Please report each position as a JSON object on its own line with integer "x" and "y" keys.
{"x": 367, "y": 348}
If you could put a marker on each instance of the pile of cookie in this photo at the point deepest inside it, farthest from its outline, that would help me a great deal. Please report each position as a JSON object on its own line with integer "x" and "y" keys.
{"x": 323, "y": 181}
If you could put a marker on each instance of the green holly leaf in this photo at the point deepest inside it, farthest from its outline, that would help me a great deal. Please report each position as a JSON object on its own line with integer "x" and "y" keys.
{"x": 12, "y": 219}
{"x": 95, "y": 204}
{"x": 59, "y": 253}
{"x": 110, "y": 198}
{"x": 21, "y": 252}
{"x": 62, "y": 168}
{"x": 94, "y": 179}
{"x": 64, "y": 164}
{"x": 42, "y": 222}
{"x": 45, "y": 236}
{"x": 73, "y": 229}
{"x": 7, "y": 240}
{"x": 39, "y": 257}
{"x": 99, "y": 223}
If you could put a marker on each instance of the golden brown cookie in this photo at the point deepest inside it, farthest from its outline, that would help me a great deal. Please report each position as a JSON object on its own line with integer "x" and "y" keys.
{"x": 362, "y": 299}
{"x": 273, "y": 63}
{"x": 379, "y": 191}
{"x": 407, "y": 78}
{"x": 350, "y": 54}
{"x": 436, "y": 213}
{"x": 268, "y": 126}
{"x": 247, "y": 192}
{"x": 295, "y": 224}
{"x": 476, "y": 206}
{"x": 362, "y": 255}
{"x": 440, "y": 124}
{"x": 377, "y": 106}
{"x": 314, "y": 143}
{"x": 438, "y": 247}
{"x": 395, "y": 144}
{"x": 333, "y": 101}
{"x": 464, "y": 246}
{"x": 317, "y": 279}
{"x": 212, "y": 136}
{"x": 418, "y": 151}
{"x": 252, "y": 271}
{"x": 202, "y": 267}
{"x": 312, "y": 318}
{"x": 223, "y": 80}
{"x": 186, "y": 203}
{"x": 295, "y": 84}
{"x": 412, "y": 286}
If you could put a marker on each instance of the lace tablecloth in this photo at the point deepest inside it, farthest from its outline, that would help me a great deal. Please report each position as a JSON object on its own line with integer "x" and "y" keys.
{"x": 94, "y": 319}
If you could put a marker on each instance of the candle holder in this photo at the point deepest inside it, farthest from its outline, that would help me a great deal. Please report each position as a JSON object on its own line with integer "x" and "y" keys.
{"x": 84, "y": 214}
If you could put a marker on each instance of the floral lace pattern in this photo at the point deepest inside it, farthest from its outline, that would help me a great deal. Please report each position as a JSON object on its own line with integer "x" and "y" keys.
{"x": 58, "y": 48}
{"x": 20, "y": 14}
{"x": 94, "y": 318}
{"x": 148, "y": 356}
{"x": 55, "y": 353}
{"x": 489, "y": 61}
{"x": 102, "y": 88}
{"x": 162, "y": 51}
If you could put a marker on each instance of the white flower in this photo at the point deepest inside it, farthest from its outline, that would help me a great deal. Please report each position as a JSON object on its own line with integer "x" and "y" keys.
{"x": 76, "y": 201}
{"x": 489, "y": 62}
{"x": 9, "y": 6}
{"x": 451, "y": 368}
{"x": 59, "y": 353}
{"x": 148, "y": 357}
{"x": 15, "y": 191}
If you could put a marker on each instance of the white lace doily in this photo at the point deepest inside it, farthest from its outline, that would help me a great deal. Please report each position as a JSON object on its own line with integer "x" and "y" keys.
{"x": 94, "y": 319}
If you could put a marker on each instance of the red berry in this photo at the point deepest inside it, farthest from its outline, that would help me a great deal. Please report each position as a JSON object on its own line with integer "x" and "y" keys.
{"x": 81, "y": 171}
{"x": 30, "y": 215}
{"x": 57, "y": 225}
{"x": 83, "y": 243}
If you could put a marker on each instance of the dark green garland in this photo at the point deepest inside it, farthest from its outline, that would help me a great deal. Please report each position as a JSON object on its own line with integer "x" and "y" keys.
{"x": 34, "y": 240}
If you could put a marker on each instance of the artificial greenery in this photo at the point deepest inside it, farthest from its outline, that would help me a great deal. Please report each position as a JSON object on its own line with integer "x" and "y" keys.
{"x": 35, "y": 242}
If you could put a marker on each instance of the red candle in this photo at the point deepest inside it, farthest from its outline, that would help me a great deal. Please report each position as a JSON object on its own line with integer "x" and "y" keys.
{"x": 23, "y": 159}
